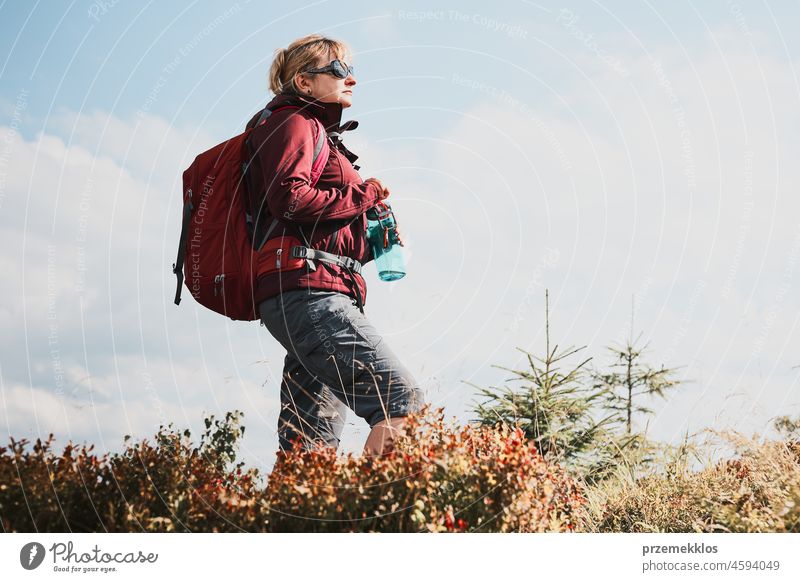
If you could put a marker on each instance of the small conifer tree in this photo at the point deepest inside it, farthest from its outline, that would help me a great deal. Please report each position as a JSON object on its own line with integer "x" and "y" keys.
{"x": 630, "y": 379}
{"x": 557, "y": 408}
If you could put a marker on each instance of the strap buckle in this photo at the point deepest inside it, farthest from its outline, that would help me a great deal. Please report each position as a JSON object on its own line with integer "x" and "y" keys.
{"x": 352, "y": 264}
{"x": 299, "y": 252}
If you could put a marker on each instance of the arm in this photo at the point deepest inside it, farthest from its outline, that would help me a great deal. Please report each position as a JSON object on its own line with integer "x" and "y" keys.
{"x": 285, "y": 149}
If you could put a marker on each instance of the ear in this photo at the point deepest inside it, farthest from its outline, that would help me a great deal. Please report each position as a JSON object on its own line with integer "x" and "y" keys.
{"x": 302, "y": 83}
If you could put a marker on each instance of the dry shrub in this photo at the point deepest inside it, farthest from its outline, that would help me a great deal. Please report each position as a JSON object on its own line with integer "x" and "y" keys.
{"x": 165, "y": 486}
{"x": 40, "y": 491}
{"x": 439, "y": 478}
{"x": 758, "y": 491}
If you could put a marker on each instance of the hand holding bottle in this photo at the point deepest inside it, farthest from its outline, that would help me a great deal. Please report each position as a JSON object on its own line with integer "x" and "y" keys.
{"x": 384, "y": 191}
{"x": 385, "y": 242}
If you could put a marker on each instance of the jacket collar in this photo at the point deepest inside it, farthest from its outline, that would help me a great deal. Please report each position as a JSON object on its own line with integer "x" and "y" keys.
{"x": 330, "y": 114}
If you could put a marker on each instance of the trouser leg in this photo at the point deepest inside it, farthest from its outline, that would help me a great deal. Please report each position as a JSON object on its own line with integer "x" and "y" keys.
{"x": 335, "y": 356}
{"x": 309, "y": 409}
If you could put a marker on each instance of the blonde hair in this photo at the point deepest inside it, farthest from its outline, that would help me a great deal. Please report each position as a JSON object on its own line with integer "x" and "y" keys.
{"x": 302, "y": 54}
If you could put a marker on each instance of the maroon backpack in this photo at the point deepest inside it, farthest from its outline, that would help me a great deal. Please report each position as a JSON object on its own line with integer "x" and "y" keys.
{"x": 216, "y": 254}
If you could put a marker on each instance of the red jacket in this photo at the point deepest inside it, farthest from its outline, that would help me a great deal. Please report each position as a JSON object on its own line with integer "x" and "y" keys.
{"x": 330, "y": 214}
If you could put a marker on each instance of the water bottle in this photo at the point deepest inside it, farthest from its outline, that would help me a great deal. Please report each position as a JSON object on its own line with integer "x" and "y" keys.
{"x": 387, "y": 252}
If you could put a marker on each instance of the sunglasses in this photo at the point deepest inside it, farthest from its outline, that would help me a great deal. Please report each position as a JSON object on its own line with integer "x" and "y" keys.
{"x": 336, "y": 68}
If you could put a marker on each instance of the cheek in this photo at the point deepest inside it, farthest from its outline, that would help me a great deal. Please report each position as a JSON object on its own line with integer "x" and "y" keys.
{"x": 327, "y": 85}
{"x": 336, "y": 87}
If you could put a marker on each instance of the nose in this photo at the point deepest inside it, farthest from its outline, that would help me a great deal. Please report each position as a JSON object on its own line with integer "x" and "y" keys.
{"x": 350, "y": 80}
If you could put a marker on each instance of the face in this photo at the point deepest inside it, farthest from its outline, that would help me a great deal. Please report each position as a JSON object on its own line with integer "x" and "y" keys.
{"x": 326, "y": 87}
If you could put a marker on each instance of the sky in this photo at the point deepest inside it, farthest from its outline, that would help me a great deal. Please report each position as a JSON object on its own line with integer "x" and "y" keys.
{"x": 639, "y": 161}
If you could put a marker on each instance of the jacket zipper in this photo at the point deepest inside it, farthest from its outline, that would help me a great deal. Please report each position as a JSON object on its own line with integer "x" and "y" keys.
{"x": 338, "y": 154}
{"x": 333, "y": 241}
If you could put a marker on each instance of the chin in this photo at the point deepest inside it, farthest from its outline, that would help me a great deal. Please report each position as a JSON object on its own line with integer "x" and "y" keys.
{"x": 346, "y": 100}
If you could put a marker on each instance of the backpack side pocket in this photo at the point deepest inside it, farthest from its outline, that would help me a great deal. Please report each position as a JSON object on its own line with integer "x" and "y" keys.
{"x": 276, "y": 255}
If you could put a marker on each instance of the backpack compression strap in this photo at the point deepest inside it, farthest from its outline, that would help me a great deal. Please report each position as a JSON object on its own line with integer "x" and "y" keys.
{"x": 177, "y": 266}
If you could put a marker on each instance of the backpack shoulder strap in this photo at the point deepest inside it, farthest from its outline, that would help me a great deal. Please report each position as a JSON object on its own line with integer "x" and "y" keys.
{"x": 318, "y": 161}
{"x": 321, "y": 153}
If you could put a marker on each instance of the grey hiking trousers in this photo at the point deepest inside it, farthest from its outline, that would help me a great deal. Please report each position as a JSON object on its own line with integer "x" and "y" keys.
{"x": 335, "y": 360}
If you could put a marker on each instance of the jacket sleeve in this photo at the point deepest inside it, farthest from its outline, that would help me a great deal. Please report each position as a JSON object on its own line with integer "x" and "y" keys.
{"x": 285, "y": 149}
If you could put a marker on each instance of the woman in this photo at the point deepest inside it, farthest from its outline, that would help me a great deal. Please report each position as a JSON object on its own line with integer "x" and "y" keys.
{"x": 312, "y": 302}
